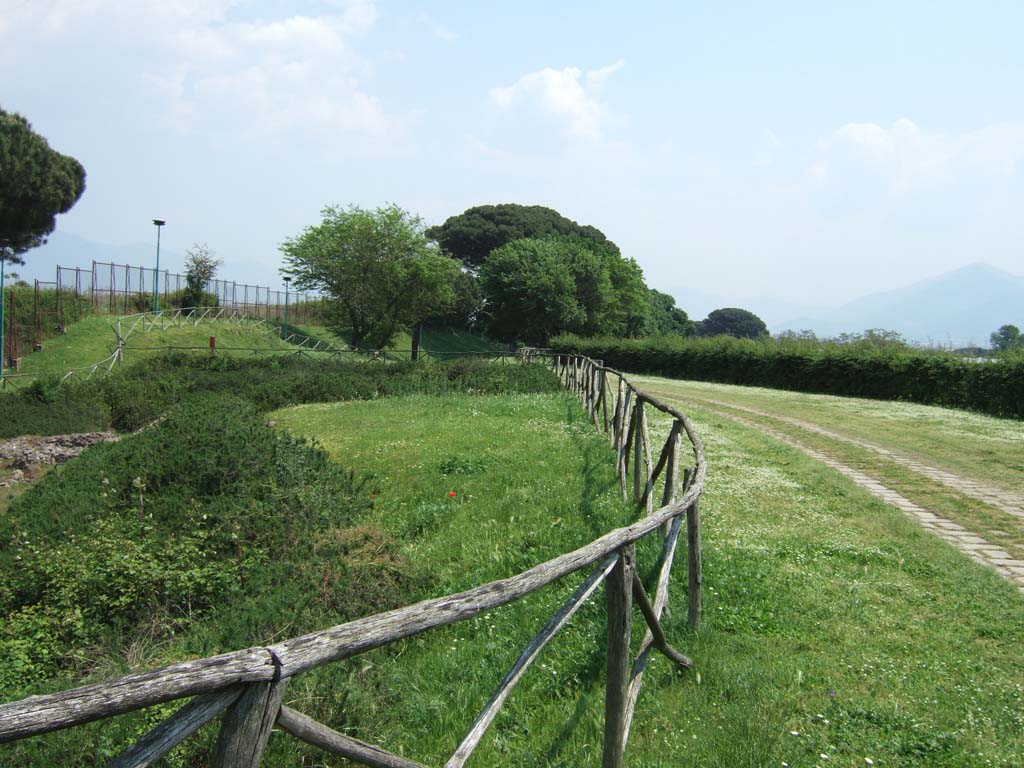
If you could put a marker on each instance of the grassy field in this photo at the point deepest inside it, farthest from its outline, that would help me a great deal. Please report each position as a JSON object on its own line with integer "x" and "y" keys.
{"x": 837, "y": 632}
{"x": 977, "y": 448}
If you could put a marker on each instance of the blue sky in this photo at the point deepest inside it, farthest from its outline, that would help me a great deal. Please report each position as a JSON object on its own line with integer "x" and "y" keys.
{"x": 809, "y": 152}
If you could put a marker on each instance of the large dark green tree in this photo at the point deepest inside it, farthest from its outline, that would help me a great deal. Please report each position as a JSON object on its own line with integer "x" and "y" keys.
{"x": 472, "y": 235}
{"x": 378, "y": 268}
{"x": 36, "y": 184}
{"x": 732, "y": 321}
{"x": 1006, "y": 338}
{"x": 536, "y": 287}
{"x": 666, "y": 319}
{"x": 531, "y": 292}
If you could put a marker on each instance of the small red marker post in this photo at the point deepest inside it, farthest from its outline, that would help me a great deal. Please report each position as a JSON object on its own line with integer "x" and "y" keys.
{"x": 213, "y": 343}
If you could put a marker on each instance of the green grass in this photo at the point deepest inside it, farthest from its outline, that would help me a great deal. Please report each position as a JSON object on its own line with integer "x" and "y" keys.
{"x": 86, "y": 342}
{"x": 231, "y": 339}
{"x": 981, "y": 447}
{"x": 93, "y": 339}
{"x": 827, "y": 613}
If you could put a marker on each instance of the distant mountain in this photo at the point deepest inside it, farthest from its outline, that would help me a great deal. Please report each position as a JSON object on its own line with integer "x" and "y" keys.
{"x": 957, "y": 308}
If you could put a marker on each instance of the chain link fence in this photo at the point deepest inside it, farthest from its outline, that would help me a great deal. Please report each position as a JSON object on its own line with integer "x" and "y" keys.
{"x": 38, "y": 311}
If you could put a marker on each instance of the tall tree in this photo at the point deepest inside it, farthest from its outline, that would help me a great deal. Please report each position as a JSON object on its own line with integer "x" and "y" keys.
{"x": 732, "y": 321}
{"x": 377, "y": 266}
{"x": 200, "y": 267}
{"x": 531, "y": 292}
{"x": 666, "y": 319}
{"x": 1006, "y": 338}
{"x": 473, "y": 234}
{"x": 36, "y": 184}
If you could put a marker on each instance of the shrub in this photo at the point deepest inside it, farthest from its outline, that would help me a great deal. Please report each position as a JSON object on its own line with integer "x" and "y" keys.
{"x": 47, "y": 407}
{"x": 160, "y": 527}
{"x": 186, "y": 298}
{"x": 136, "y": 395}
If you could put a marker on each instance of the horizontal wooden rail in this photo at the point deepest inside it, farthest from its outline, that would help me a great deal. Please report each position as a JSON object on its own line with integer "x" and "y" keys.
{"x": 247, "y": 685}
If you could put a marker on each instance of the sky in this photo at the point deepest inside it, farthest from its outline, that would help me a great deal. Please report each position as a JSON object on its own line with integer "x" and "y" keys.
{"x": 810, "y": 152}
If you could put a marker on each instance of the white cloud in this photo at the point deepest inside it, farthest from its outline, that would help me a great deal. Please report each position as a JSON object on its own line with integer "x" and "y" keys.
{"x": 598, "y": 77}
{"x": 567, "y": 95}
{"x": 214, "y": 72}
{"x": 906, "y": 160}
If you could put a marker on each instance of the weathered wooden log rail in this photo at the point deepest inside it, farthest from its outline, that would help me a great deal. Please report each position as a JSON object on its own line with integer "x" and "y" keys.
{"x": 245, "y": 687}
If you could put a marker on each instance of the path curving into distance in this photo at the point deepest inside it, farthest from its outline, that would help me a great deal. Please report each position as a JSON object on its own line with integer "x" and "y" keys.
{"x": 1005, "y": 501}
{"x": 970, "y": 543}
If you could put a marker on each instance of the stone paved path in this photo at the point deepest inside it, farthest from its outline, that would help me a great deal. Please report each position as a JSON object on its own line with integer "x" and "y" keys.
{"x": 970, "y": 543}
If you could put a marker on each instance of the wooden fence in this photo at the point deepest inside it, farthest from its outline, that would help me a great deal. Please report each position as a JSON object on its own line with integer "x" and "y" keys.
{"x": 246, "y": 687}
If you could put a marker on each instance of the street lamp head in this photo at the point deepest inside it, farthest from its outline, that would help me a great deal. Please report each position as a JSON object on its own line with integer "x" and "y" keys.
{"x": 159, "y": 222}
{"x": 287, "y": 280}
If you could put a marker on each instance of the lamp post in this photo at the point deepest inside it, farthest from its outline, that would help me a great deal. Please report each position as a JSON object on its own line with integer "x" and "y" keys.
{"x": 3, "y": 309}
{"x": 287, "y": 280}
{"x": 156, "y": 275}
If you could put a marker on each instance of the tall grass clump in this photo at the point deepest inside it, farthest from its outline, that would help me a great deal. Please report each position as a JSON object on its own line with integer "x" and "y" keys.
{"x": 882, "y": 371}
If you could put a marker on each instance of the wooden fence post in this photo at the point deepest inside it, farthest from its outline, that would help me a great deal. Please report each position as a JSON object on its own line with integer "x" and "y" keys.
{"x": 247, "y": 724}
{"x": 619, "y": 590}
{"x": 638, "y": 449}
{"x": 671, "y": 492}
{"x": 694, "y": 563}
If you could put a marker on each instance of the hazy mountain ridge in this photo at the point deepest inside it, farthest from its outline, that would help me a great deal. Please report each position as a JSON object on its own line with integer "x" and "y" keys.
{"x": 957, "y": 308}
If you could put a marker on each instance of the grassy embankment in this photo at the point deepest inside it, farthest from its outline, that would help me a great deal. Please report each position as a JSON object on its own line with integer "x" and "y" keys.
{"x": 93, "y": 339}
{"x": 976, "y": 447}
{"x": 206, "y": 532}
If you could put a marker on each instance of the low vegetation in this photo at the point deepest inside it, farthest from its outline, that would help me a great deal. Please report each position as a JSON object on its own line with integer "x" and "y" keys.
{"x": 885, "y": 372}
{"x": 205, "y": 532}
{"x": 136, "y": 395}
{"x": 833, "y": 625}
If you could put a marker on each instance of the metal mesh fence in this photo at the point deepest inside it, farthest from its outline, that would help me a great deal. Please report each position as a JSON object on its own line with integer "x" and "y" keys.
{"x": 124, "y": 289}
{"x": 38, "y": 311}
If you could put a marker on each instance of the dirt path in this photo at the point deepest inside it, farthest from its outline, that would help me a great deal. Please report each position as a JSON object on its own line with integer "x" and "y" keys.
{"x": 968, "y": 542}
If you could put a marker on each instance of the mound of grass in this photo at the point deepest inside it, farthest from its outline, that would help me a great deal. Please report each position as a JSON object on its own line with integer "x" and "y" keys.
{"x": 86, "y": 342}
{"x": 92, "y": 339}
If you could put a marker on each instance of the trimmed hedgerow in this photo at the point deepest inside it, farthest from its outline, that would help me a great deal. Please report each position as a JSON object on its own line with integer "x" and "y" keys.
{"x": 920, "y": 376}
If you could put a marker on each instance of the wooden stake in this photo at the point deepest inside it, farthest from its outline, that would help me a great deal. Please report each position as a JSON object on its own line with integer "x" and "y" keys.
{"x": 247, "y": 726}
{"x": 620, "y": 625}
{"x": 695, "y": 572}
{"x": 638, "y": 449}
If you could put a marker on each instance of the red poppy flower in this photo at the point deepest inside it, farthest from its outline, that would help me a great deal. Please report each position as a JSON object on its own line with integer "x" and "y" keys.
{"x": 451, "y": 493}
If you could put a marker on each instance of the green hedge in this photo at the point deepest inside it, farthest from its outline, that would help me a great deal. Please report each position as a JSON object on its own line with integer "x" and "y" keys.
{"x": 920, "y": 376}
